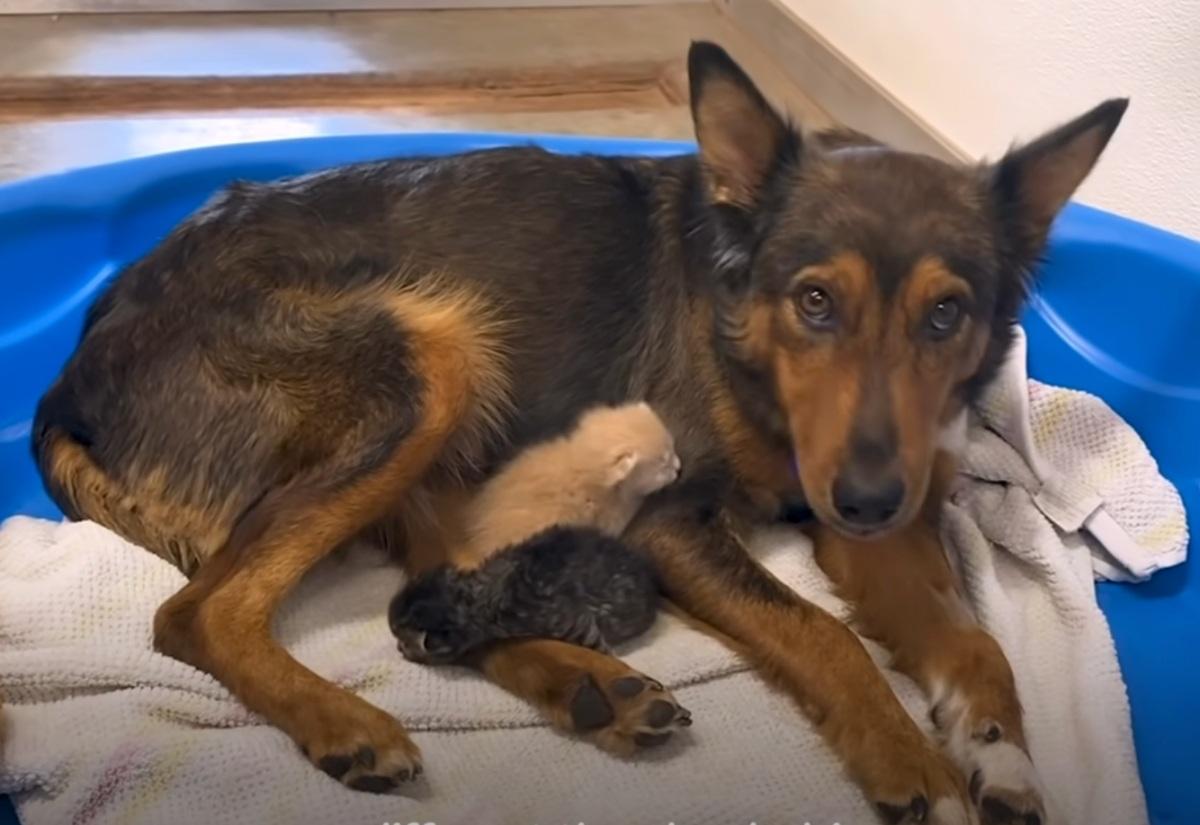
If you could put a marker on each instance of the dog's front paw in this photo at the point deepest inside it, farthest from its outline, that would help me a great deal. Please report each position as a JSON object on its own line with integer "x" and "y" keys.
{"x": 949, "y": 810}
{"x": 1004, "y": 784}
{"x": 927, "y": 789}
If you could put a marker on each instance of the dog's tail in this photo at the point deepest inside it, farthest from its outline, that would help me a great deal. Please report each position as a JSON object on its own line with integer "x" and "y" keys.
{"x": 80, "y": 488}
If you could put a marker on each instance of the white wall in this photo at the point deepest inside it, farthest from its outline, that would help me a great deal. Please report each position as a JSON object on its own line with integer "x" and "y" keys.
{"x": 984, "y": 72}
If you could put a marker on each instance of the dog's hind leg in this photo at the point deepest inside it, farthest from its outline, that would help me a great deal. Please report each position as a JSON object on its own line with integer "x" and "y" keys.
{"x": 904, "y": 595}
{"x": 221, "y": 621}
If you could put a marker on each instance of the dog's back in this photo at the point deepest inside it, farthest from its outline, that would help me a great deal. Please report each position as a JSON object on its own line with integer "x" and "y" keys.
{"x": 291, "y": 311}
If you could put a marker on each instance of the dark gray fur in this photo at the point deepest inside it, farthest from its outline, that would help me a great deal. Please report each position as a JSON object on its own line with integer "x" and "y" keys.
{"x": 570, "y": 583}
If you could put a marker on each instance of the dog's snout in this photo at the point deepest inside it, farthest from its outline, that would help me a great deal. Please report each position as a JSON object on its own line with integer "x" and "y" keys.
{"x": 868, "y": 502}
{"x": 868, "y": 490}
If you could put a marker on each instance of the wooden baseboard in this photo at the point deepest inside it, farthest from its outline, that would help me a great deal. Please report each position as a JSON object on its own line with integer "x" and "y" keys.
{"x": 639, "y": 85}
{"x": 835, "y": 83}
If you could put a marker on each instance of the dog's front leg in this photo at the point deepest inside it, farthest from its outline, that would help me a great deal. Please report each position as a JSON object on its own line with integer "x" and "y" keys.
{"x": 817, "y": 660}
{"x": 904, "y": 595}
{"x": 586, "y": 692}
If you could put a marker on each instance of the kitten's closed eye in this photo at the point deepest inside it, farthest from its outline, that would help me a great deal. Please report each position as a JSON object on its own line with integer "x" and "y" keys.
{"x": 416, "y": 612}
{"x": 427, "y": 614}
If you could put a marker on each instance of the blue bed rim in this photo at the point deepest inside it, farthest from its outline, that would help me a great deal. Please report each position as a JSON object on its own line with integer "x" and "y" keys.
{"x": 1114, "y": 314}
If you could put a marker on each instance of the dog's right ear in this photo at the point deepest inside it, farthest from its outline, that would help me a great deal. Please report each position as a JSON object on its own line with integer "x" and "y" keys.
{"x": 741, "y": 138}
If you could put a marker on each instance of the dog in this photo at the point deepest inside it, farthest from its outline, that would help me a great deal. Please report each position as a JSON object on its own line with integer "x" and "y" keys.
{"x": 307, "y": 361}
{"x": 541, "y": 555}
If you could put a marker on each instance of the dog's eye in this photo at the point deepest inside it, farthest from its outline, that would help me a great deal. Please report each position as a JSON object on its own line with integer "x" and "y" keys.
{"x": 815, "y": 305}
{"x": 945, "y": 317}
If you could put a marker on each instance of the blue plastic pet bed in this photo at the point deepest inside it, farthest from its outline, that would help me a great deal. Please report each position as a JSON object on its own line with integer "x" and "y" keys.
{"x": 1116, "y": 314}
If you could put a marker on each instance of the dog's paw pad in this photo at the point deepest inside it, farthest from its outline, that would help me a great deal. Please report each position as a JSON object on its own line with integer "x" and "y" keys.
{"x": 336, "y": 765}
{"x": 628, "y": 686}
{"x": 1004, "y": 785}
{"x": 625, "y": 714}
{"x": 590, "y": 709}
{"x": 916, "y": 811}
{"x": 645, "y": 717}
{"x": 373, "y": 784}
{"x": 369, "y": 753}
{"x": 997, "y": 811}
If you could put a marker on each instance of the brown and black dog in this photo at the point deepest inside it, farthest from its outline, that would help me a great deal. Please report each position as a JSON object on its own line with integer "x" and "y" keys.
{"x": 352, "y": 351}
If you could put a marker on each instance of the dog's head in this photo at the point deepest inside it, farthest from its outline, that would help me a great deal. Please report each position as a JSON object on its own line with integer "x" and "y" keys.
{"x": 869, "y": 292}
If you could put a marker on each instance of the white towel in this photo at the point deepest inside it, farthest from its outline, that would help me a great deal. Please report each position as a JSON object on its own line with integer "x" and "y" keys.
{"x": 104, "y": 730}
{"x": 1087, "y": 471}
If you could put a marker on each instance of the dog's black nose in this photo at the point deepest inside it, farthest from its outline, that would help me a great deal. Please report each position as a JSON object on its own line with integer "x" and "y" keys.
{"x": 868, "y": 502}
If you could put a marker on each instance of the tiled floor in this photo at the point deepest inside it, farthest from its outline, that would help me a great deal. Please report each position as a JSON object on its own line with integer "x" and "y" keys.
{"x": 88, "y": 89}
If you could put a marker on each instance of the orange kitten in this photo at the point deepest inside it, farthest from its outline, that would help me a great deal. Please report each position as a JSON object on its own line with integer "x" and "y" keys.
{"x": 594, "y": 476}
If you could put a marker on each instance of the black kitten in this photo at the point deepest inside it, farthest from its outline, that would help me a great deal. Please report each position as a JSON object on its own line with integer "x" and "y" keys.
{"x": 576, "y": 584}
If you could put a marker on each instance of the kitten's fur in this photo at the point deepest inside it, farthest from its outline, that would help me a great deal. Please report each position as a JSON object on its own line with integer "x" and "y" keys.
{"x": 542, "y": 557}
{"x": 571, "y": 583}
{"x": 595, "y": 476}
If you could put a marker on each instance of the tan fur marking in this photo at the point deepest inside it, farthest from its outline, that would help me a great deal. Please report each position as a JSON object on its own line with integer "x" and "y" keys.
{"x": 431, "y": 518}
{"x": 764, "y": 471}
{"x": 928, "y": 281}
{"x": 850, "y": 281}
{"x": 143, "y": 512}
{"x": 473, "y": 334}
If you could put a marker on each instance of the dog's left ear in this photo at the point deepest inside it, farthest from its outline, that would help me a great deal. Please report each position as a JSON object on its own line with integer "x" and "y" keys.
{"x": 1033, "y": 182}
{"x": 741, "y": 138}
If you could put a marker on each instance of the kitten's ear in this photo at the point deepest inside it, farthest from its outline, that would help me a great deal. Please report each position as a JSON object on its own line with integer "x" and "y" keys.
{"x": 1033, "y": 182}
{"x": 741, "y": 138}
{"x": 622, "y": 467}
